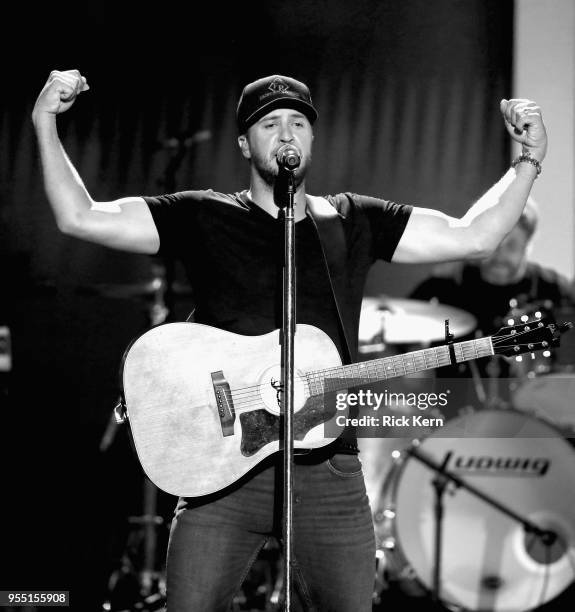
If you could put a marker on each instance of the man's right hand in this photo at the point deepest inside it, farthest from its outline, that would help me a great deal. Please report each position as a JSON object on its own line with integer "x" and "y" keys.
{"x": 59, "y": 93}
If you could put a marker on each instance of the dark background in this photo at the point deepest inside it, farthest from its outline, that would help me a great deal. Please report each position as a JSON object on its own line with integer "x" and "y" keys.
{"x": 408, "y": 95}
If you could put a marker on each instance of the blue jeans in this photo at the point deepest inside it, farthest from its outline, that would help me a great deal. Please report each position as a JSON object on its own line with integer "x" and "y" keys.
{"x": 214, "y": 541}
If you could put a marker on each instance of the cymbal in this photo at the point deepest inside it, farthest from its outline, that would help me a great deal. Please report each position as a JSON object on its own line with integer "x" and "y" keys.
{"x": 406, "y": 321}
{"x": 136, "y": 290}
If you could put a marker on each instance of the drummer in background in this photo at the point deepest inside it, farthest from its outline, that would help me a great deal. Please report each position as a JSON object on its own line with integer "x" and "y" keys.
{"x": 504, "y": 285}
{"x": 486, "y": 288}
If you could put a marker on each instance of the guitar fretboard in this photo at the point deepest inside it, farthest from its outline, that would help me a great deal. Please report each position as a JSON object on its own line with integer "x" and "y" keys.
{"x": 365, "y": 372}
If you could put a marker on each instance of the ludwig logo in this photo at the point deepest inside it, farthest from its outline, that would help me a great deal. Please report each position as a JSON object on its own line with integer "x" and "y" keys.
{"x": 278, "y": 86}
{"x": 500, "y": 466}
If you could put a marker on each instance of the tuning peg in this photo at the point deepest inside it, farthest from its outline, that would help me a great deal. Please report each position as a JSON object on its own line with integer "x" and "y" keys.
{"x": 524, "y": 318}
{"x": 532, "y": 355}
{"x": 510, "y": 321}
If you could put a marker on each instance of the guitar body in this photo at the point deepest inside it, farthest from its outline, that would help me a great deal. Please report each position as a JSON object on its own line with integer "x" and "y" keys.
{"x": 191, "y": 441}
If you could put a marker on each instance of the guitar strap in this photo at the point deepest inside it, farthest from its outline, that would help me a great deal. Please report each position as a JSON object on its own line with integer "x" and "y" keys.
{"x": 329, "y": 227}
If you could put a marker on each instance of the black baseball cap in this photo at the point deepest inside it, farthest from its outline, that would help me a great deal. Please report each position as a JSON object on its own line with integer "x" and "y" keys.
{"x": 276, "y": 91}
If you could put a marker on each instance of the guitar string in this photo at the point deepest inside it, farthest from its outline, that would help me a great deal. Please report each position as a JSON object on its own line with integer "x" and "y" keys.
{"x": 372, "y": 367}
{"x": 495, "y": 341}
{"x": 247, "y": 399}
{"x": 363, "y": 365}
{"x": 250, "y": 395}
{"x": 398, "y": 363}
{"x": 375, "y": 365}
{"x": 253, "y": 398}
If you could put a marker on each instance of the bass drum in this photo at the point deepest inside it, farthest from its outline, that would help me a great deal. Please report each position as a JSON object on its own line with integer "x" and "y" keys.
{"x": 489, "y": 562}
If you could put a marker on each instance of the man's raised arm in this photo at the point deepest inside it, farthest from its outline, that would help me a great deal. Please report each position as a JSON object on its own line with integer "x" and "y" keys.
{"x": 124, "y": 224}
{"x": 432, "y": 236}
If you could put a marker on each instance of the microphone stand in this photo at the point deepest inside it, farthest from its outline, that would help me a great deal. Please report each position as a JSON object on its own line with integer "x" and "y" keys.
{"x": 288, "y": 333}
{"x": 439, "y": 483}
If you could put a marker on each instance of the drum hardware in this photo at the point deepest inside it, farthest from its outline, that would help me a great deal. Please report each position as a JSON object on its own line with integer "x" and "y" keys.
{"x": 138, "y": 582}
{"x": 508, "y": 556}
{"x": 443, "y": 476}
{"x": 439, "y": 485}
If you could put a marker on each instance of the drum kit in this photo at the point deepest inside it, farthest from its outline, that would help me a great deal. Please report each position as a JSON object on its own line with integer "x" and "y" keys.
{"x": 477, "y": 514}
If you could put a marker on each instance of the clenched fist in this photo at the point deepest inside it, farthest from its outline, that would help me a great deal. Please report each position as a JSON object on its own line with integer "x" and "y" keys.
{"x": 525, "y": 125}
{"x": 59, "y": 93}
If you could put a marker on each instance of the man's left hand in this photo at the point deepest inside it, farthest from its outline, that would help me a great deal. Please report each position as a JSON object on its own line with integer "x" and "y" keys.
{"x": 524, "y": 122}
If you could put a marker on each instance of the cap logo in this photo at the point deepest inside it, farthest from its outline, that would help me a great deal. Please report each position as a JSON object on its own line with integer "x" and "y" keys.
{"x": 278, "y": 86}
{"x": 268, "y": 93}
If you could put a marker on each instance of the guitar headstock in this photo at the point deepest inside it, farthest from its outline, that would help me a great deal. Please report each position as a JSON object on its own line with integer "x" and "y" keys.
{"x": 528, "y": 336}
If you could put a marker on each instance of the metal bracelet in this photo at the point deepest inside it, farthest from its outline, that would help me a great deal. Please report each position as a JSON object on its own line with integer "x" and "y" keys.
{"x": 526, "y": 157}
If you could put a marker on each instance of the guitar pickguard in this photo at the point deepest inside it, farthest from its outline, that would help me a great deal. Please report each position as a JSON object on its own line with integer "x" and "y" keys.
{"x": 259, "y": 427}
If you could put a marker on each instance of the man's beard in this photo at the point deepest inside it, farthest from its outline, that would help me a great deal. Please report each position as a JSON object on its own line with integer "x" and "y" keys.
{"x": 269, "y": 171}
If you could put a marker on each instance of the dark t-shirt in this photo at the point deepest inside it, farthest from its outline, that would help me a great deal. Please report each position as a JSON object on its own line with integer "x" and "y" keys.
{"x": 233, "y": 254}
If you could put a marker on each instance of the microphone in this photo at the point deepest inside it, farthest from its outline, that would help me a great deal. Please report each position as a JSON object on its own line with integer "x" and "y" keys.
{"x": 288, "y": 157}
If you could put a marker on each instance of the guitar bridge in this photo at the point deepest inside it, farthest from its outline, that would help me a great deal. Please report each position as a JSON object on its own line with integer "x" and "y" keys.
{"x": 224, "y": 402}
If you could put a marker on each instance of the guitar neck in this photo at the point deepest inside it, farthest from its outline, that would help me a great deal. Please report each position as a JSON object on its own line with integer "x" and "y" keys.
{"x": 365, "y": 372}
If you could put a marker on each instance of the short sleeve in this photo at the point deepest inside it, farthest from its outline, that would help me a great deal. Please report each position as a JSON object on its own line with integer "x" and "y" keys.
{"x": 172, "y": 213}
{"x": 387, "y": 221}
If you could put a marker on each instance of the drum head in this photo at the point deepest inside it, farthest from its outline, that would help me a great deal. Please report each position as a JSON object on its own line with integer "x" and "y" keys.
{"x": 551, "y": 398}
{"x": 488, "y": 561}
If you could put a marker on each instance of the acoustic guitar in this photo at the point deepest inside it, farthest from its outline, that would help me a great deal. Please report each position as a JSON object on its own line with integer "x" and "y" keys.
{"x": 204, "y": 404}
